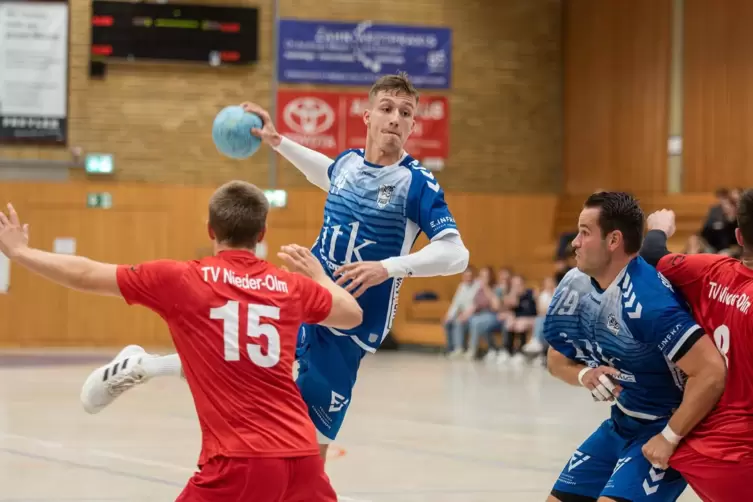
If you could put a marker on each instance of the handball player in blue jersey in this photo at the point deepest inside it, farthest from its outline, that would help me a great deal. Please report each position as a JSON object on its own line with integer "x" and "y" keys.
{"x": 617, "y": 327}
{"x": 379, "y": 200}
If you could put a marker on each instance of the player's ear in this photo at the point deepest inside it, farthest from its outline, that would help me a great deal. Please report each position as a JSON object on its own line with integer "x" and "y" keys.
{"x": 261, "y": 234}
{"x": 613, "y": 240}
{"x": 210, "y": 232}
{"x": 739, "y": 237}
{"x": 366, "y": 116}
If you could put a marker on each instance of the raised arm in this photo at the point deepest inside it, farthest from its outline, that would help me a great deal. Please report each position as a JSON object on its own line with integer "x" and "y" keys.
{"x": 74, "y": 272}
{"x": 661, "y": 226}
{"x": 312, "y": 164}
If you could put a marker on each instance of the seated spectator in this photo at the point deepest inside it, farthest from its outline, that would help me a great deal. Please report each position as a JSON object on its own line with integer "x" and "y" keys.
{"x": 719, "y": 229}
{"x": 566, "y": 266}
{"x": 461, "y": 301}
{"x": 696, "y": 245}
{"x": 503, "y": 282}
{"x": 538, "y": 346}
{"x": 479, "y": 310}
{"x": 518, "y": 321}
{"x": 488, "y": 330}
{"x": 735, "y": 195}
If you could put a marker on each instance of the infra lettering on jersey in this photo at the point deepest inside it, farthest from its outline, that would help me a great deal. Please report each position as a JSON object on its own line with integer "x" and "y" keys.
{"x": 373, "y": 213}
{"x": 637, "y": 325}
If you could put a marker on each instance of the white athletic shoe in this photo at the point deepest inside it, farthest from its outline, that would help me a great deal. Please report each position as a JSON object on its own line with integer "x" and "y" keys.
{"x": 109, "y": 381}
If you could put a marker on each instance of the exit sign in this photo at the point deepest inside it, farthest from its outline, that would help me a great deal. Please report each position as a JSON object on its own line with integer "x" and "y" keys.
{"x": 100, "y": 200}
{"x": 99, "y": 163}
{"x": 277, "y": 198}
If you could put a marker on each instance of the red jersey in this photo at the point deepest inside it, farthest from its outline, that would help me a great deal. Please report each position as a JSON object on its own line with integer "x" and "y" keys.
{"x": 720, "y": 292}
{"x": 234, "y": 319}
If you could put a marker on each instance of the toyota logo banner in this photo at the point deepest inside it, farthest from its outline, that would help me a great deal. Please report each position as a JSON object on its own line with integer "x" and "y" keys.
{"x": 330, "y": 122}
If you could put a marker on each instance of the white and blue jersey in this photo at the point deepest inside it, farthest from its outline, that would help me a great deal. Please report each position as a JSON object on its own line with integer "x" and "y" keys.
{"x": 638, "y": 325}
{"x": 373, "y": 213}
{"x": 641, "y": 327}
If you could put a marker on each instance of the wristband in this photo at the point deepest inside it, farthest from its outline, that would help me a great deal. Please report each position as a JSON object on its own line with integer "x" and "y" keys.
{"x": 583, "y": 372}
{"x": 670, "y": 435}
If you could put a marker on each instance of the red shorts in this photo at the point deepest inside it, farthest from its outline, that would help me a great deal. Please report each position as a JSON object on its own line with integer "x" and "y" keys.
{"x": 300, "y": 479}
{"x": 714, "y": 480}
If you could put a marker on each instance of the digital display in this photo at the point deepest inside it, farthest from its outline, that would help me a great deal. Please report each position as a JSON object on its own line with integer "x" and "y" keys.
{"x": 197, "y": 33}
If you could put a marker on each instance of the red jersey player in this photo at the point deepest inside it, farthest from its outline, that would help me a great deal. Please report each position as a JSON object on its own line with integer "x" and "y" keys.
{"x": 716, "y": 458}
{"x": 234, "y": 319}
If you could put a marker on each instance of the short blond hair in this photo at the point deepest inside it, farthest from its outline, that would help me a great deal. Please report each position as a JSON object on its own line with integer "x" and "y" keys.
{"x": 238, "y": 214}
{"x": 399, "y": 84}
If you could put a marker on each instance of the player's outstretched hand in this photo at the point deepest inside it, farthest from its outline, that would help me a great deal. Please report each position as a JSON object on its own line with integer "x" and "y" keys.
{"x": 600, "y": 382}
{"x": 663, "y": 220}
{"x": 267, "y": 133}
{"x": 361, "y": 276}
{"x": 301, "y": 260}
{"x": 13, "y": 235}
{"x": 658, "y": 450}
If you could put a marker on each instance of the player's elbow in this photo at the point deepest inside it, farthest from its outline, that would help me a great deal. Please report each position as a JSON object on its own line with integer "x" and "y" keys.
{"x": 464, "y": 257}
{"x": 459, "y": 261}
{"x": 715, "y": 374}
{"x": 707, "y": 369}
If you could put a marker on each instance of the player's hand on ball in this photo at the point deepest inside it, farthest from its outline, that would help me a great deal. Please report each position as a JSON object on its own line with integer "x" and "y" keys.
{"x": 267, "y": 133}
{"x": 301, "y": 260}
{"x": 13, "y": 235}
{"x": 663, "y": 220}
{"x": 600, "y": 381}
{"x": 361, "y": 276}
{"x": 658, "y": 451}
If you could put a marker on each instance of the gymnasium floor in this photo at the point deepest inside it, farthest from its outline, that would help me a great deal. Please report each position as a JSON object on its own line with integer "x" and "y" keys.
{"x": 420, "y": 429}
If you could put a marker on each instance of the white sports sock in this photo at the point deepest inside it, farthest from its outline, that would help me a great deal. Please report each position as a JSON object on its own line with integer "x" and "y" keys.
{"x": 156, "y": 366}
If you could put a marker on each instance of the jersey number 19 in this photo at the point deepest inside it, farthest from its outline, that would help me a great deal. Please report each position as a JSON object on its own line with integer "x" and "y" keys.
{"x": 255, "y": 329}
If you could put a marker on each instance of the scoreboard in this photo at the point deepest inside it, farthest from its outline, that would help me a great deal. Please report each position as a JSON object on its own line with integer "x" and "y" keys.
{"x": 181, "y": 32}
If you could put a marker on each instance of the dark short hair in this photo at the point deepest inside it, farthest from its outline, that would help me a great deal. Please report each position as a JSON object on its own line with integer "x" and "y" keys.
{"x": 238, "y": 214}
{"x": 745, "y": 216}
{"x": 619, "y": 211}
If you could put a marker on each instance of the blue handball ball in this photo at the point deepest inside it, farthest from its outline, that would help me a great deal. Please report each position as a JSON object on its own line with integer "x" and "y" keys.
{"x": 231, "y": 132}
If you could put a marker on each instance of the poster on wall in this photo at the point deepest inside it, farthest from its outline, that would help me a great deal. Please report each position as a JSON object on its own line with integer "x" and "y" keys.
{"x": 33, "y": 72}
{"x": 326, "y": 52}
{"x": 330, "y": 122}
{"x": 4, "y": 273}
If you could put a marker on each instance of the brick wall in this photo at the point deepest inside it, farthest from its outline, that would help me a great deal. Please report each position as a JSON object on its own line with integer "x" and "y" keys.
{"x": 505, "y": 101}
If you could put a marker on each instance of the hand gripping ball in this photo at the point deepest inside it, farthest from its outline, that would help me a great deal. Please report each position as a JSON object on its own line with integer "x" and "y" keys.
{"x": 231, "y": 132}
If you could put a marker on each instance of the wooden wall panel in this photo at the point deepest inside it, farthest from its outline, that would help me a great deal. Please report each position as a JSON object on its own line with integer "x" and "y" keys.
{"x": 161, "y": 221}
{"x": 505, "y": 100}
{"x": 616, "y": 86}
{"x": 718, "y": 95}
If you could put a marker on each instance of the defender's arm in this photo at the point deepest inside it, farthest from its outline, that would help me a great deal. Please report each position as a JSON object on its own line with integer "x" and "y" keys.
{"x": 75, "y": 272}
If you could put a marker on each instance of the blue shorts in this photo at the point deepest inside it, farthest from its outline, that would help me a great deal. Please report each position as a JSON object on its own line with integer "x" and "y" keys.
{"x": 327, "y": 369}
{"x": 610, "y": 463}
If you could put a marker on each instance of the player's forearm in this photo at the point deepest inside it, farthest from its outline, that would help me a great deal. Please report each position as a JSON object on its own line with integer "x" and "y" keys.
{"x": 75, "y": 272}
{"x": 562, "y": 367}
{"x": 349, "y": 313}
{"x": 312, "y": 164}
{"x": 654, "y": 247}
{"x": 444, "y": 256}
{"x": 702, "y": 392}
